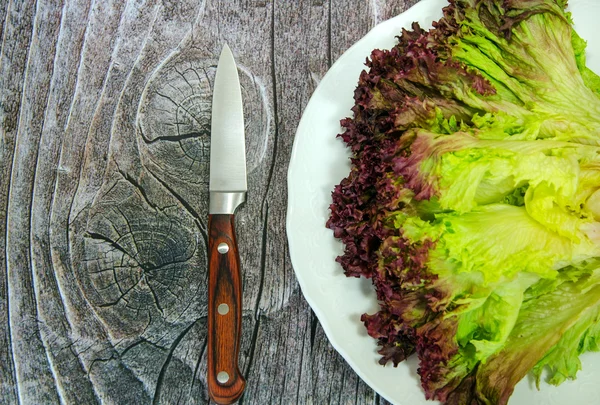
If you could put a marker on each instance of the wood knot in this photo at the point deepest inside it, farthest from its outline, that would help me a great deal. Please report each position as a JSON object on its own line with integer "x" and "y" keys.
{"x": 173, "y": 123}
{"x": 176, "y": 107}
{"x": 141, "y": 259}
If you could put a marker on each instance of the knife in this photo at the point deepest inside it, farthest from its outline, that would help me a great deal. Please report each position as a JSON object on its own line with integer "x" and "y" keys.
{"x": 227, "y": 190}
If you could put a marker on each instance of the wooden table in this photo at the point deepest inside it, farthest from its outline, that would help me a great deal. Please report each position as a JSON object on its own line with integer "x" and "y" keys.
{"x": 105, "y": 118}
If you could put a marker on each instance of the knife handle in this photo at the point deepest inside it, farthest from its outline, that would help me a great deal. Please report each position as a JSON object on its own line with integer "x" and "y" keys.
{"x": 225, "y": 382}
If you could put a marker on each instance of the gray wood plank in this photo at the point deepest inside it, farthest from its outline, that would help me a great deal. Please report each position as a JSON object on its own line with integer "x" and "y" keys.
{"x": 105, "y": 133}
{"x": 35, "y": 381}
{"x": 18, "y": 26}
{"x": 74, "y": 385}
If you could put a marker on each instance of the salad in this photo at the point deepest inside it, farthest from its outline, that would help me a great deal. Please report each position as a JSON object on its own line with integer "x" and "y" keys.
{"x": 473, "y": 200}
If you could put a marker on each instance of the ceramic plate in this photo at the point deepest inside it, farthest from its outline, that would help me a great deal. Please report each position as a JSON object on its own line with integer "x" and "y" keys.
{"x": 319, "y": 162}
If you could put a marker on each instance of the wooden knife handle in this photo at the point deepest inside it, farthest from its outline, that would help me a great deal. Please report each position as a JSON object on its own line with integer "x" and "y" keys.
{"x": 224, "y": 311}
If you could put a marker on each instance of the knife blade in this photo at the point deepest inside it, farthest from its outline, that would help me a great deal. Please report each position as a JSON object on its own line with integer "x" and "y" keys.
{"x": 227, "y": 190}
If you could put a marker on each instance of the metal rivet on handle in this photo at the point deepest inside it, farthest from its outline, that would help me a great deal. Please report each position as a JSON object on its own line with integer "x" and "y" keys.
{"x": 223, "y": 309}
{"x": 223, "y": 377}
{"x": 223, "y": 248}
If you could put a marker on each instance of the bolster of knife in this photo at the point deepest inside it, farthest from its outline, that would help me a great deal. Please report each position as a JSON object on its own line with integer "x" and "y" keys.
{"x": 225, "y": 382}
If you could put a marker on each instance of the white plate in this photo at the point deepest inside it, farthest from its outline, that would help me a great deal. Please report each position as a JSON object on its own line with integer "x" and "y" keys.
{"x": 319, "y": 162}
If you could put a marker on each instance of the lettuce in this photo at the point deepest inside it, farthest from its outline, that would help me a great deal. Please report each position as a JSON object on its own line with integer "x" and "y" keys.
{"x": 472, "y": 203}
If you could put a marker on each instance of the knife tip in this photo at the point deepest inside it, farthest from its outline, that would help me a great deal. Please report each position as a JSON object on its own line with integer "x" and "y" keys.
{"x": 226, "y": 49}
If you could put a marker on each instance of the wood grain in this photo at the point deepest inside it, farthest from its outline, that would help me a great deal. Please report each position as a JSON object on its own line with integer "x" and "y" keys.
{"x": 224, "y": 325}
{"x": 104, "y": 140}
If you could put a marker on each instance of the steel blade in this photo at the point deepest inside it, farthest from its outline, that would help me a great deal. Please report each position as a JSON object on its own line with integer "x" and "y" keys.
{"x": 227, "y": 147}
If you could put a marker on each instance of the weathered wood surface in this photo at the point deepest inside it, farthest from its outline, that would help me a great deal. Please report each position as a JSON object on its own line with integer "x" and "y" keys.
{"x": 104, "y": 123}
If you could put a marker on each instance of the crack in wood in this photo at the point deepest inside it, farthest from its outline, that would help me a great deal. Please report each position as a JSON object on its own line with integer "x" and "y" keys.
{"x": 169, "y": 138}
{"x": 200, "y": 356}
{"x": 163, "y": 369}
